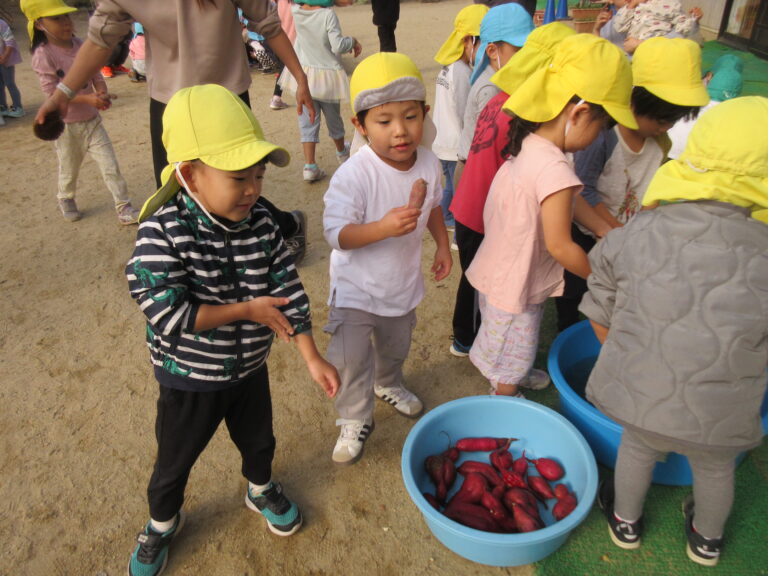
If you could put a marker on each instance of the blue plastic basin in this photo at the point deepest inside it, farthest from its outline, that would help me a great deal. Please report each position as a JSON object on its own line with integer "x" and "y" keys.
{"x": 570, "y": 362}
{"x": 542, "y": 432}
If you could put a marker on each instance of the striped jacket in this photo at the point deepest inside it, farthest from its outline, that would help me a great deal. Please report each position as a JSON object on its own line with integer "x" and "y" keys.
{"x": 184, "y": 257}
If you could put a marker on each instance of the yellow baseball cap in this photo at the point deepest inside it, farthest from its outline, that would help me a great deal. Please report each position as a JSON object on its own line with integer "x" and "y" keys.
{"x": 467, "y": 23}
{"x": 211, "y": 124}
{"x": 725, "y": 159}
{"x": 583, "y": 65}
{"x": 670, "y": 68}
{"x": 34, "y": 9}
{"x": 385, "y": 77}
{"x": 536, "y": 53}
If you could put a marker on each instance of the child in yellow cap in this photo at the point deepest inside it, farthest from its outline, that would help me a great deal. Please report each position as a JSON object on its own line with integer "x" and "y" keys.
{"x": 559, "y": 109}
{"x": 483, "y": 160}
{"x": 217, "y": 284}
{"x": 377, "y": 207}
{"x": 54, "y": 47}
{"x": 678, "y": 297}
{"x": 618, "y": 166}
{"x": 451, "y": 91}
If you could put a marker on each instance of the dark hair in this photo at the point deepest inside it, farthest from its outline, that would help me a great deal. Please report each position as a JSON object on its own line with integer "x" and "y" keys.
{"x": 519, "y": 128}
{"x": 38, "y": 39}
{"x": 644, "y": 103}
{"x": 363, "y": 113}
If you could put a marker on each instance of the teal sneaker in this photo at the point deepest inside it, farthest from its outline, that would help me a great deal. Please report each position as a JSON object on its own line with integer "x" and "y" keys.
{"x": 283, "y": 516}
{"x": 151, "y": 553}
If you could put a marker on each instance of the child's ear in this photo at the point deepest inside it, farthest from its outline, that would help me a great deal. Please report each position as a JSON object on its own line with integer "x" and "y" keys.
{"x": 359, "y": 127}
{"x": 39, "y": 26}
{"x": 581, "y": 112}
{"x": 188, "y": 173}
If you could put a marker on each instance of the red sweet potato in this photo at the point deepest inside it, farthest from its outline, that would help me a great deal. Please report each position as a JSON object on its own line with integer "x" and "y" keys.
{"x": 561, "y": 491}
{"x": 472, "y": 515}
{"x": 520, "y": 497}
{"x": 485, "y": 444}
{"x": 493, "y": 505}
{"x": 520, "y": 466}
{"x": 432, "y": 500}
{"x": 434, "y": 466}
{"x": 471, "y": 490}
{"x": 482, "y": 468}
{"x": 564, "y": 507}
{"x": 540, "y": 487}
{"x": 525, "y": 521}
{"x": 548, "y": 468}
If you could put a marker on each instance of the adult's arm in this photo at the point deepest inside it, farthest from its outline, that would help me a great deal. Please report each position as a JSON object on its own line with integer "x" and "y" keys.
{"x": 282, "y": 46}
{"x": 89, "y": 60}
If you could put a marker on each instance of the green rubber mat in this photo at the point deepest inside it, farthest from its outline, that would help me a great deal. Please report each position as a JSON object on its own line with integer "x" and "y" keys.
{"x": 589, "y": 550}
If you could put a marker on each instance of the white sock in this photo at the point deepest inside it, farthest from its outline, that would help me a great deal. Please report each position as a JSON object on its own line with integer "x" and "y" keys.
{"x": 256, "y": 489}
{"x": 162, "y": 527}
{"x": 620, "y": 519}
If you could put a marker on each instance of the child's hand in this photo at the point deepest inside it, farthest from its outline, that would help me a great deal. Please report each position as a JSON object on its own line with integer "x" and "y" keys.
{"x": 105, "y": 99}
{"x": 357, "y": 48}
{"x": 442, "y": 264}
{"x": 325, "y": 374}
{"x": 631, "y": 44}
{"x": 696, "y": 12}
{"x": 602, "y": 19}
{"x": 264, "y": 310}
{"x": 400, "y": 221}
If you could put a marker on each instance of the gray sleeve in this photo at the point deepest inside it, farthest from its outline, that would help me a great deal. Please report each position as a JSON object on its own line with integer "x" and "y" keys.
{"x": 109, "y": 24}
{"x": 598, "y": 303}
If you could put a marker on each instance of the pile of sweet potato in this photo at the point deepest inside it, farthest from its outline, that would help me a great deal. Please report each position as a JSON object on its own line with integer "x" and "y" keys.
{"x": 499, "y": 495}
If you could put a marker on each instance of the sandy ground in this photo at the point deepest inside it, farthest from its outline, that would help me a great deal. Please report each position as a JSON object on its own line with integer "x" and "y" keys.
{"x": 78, "y": 398}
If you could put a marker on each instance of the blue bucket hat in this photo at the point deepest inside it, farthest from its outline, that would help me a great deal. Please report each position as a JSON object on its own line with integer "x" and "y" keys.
{"x": 508, "y": 23}
{"x": 727, "y": 78}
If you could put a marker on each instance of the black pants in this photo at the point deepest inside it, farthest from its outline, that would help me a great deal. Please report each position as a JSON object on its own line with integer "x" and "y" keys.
{"x": 466, "y": 311}
{"x": 284, "y": 220}
{"x": 567, "y": 305}
{"x": 386, "y": 13}
{"x": 186, "y": 422}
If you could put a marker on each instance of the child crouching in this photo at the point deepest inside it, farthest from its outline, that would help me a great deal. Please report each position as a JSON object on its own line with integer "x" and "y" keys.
{"x": 216, "y": 282}
{"x": 679, "y": 298}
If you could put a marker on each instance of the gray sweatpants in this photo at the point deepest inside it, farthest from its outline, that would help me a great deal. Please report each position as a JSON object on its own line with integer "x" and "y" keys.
{"x": 713, "y": 473}
{"x": 366, "y": 349}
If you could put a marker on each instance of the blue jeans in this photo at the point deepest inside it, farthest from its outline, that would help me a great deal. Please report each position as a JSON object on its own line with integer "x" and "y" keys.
{"x": 8, "y": 80}
{"x": 449, "y": 166}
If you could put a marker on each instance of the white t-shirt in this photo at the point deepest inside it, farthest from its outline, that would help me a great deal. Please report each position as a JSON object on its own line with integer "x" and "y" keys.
{"x": 451, "y": 92}
{"x": 681, "y": 130}
{"x": 385, "y": 277}
{"x": 625, "y": 176}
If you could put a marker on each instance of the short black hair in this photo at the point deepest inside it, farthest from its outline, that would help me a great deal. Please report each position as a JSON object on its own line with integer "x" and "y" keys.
{"x": 644, "y": 103}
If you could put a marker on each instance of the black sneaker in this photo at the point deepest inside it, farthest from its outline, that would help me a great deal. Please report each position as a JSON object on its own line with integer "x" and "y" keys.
{"x": 297, "y": 244}
{"x": 151, "y": 554}
{"x": 704, "y": 551}
{"x": 283, "y": 516}
{"x": 625, "y": 535}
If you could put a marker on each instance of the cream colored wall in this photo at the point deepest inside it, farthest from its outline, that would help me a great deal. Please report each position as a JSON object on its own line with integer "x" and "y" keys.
{"x": 713, "y": 14}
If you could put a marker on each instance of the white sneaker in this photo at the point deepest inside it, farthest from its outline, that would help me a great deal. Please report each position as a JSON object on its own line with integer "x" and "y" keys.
{"x": 277, "y": 103}
{"x": 402, "y": 399}
{"x": 312, "y": 173}
{"x": 536, "y": 380}
{"x": 343, "y": 155}
{"x": 349, "y": 446}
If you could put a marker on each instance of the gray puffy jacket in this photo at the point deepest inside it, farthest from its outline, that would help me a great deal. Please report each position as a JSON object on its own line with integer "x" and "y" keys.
{"x": 684, "y": 291}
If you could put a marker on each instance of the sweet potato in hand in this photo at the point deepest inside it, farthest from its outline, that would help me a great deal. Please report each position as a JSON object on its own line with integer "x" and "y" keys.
{"x": 418, "y": 194}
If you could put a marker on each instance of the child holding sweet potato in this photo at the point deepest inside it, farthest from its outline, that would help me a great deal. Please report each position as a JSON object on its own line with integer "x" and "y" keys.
{"x": 376, "y": 236}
